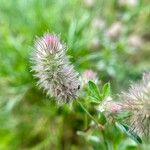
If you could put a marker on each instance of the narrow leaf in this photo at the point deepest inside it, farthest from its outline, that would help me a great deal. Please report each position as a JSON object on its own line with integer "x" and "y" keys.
{"x": 106, "y": 90}
{"x": 128, "y": 131}
{"x": 94, "y": 90}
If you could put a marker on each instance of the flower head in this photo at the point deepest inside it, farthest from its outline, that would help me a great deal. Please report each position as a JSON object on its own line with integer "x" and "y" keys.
{"x": 95, "y": 43}
{"x": 89, "y": 3}
{"x": 135, "y": 41}
{"x": 114, "y": 30}
{"x": 89, "y": 75}
{"x": 128, "y": 2}
{"x": 137, "y": 102}
{"x": 52, "y": 67}
{"x": 109, "y": 106}
{"x": 98, "y": 23}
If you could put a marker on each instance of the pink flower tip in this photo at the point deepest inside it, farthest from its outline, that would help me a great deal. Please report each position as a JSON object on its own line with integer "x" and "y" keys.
{"x": 89, "y": 74}
{"x": 115, "y": 108}
{"x": 51, "y": 39}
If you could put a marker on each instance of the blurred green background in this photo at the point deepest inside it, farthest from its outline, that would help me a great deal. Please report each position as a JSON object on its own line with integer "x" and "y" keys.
{"x": 111, "y": 37}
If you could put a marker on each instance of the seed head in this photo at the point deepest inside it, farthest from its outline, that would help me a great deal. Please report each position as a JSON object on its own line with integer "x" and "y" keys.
{"x": 52, "y": 68}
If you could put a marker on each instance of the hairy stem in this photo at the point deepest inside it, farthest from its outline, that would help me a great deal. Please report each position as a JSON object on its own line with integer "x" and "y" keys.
{"x": 98, "y": 124}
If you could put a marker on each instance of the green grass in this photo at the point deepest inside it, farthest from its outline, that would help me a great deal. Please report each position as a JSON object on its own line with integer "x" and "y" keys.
{"x": 28, "y": 119}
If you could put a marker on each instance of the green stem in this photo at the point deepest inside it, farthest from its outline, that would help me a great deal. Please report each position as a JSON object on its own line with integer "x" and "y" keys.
{"x": 86, "y": 121}
{"x": 99, "y": 125}
{"x": 105, "y": 141}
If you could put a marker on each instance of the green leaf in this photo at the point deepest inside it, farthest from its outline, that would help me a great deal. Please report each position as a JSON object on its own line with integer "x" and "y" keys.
{"x": 93, "y": 100}
{"x": 121, "y": 127}
{"x": 106, "y": 90}
{"x": 128, "y": 131}
{"x": 94, "y": 90}
{"x": 122, "y": 115}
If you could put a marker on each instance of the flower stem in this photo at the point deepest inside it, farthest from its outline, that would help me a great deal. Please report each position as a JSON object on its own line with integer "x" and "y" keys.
{"x": 98, "y": 124}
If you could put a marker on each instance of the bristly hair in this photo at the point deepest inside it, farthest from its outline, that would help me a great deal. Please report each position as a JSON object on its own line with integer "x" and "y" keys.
{"x": 53, "y": 69}
{"x": 137, "y": 101}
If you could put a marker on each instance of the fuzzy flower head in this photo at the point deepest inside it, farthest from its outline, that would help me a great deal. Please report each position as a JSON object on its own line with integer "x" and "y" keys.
{"x": 89, "y": 75}
{"x": 114, "y": 30}
{"x": 109, "y": 106}
{"x": 52, "y": 68}
{"x": 137, "y": 102}
{"x": 135, "y": 41}
{"x": 98, "y": 23}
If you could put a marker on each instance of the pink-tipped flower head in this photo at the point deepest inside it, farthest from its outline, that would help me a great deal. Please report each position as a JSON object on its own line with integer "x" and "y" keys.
{"x": 53, "y": 42}
{"x": 109, "y": 106}
{"x": 89, "y": 75}
{"x": 52, "y": 67}
{"x": 48, "y": 43}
